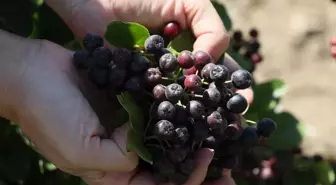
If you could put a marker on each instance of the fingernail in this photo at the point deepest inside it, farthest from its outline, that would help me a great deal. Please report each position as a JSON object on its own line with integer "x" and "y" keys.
{"x": 209, "y": 154}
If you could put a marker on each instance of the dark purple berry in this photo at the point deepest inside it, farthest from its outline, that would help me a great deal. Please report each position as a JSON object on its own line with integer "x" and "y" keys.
{"x": 168, "y": 63}
{"x": 233, "y": 132}
{"x": 174, "y": 92}
{"x": 249, "y": 136}
{"x": 102, "y": 56}
{"x": 192, "y": 82}
{"x": 154, "y": 43}
{"x": 219, "y": 73}
{"x": 117, "y": 75}
{"x": 164, "y": 130}
{"x": 190, "y": 71}
{"x": 158, "y": 54}
{"x": 202, "y": 59}
{"x": 205, "y": 73}
{"x": 122, "y": 57}
{"x": 187, "y": 166}
{"x": 92, "y": 41}
{"x": 216, "y": 121}
{"x": 134, "y": 84}
{"x": 195, "y": 109}
{"x": 99, "y": 76}
{"x": 166, "y": 110}
{"x": 210, "y": 142}
{"x": 241, "y": 79}
{"x": 153, "y": 76}
{"x": 182, "y": 135}
{"x": 139, "y": 64}
{"x": 237, "y": 104}
{"x": 253, "y": 33}
{"x": 159, "y": 92}
{"x": 80, "y": 59}
{"x": 211, "y": 96}
{"x": 266, "y": 127}
{"x": 200, "y": 131}
{"x": 186, "y": 59}
{"x": 171, "y": 30}
{"x": 177, "y": 154}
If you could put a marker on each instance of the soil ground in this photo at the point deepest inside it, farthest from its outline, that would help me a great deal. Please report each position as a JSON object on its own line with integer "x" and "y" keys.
{"x": 295, "y": 37}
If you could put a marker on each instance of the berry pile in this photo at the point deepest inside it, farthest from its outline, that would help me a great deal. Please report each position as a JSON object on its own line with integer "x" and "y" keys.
{"x": 249, "y": 48}
{"x": 193, "y": 103}
{"x": 333, "y": 47}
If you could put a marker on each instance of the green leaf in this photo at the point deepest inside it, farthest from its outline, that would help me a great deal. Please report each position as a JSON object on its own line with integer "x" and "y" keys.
{"x": 324, "y": 173}
{"x": 171, "y": 49}
{"x": 244, "y": 63}
{"x": 126, "y": 35}
{"x": 136, "y": 115}
{"x": 289, "y": 133}
{"x": 223, "y": 14}
{"x": 300, "y": 178}
{"x": 264, "y": 96}
{"x": 185, "y": 41}
{"x": 135, "y": 144}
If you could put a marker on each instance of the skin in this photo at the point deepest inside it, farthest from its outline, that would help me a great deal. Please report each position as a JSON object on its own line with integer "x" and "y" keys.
{"x": 48, "y": 98}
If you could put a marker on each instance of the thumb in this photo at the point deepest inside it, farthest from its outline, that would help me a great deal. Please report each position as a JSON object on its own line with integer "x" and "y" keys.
{"x": 111, "y": 154}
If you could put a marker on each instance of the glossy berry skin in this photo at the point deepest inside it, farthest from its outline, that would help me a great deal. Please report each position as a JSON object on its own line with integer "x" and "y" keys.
{"x": 166, "y": 110}
{"x": 164, "y": 130}
{"x": 122, "y": 57}
{"x": 92, "y": 41}
{"x": 190, "y": 71}
{"x": 171, "y": 30}
{"x": 80, "y": 59}
{"x": 158, "y": 54}
{"x": 139, "y": 64}
{"x": 153, "y": 76}
{"x": 159, "y": 92}
{"x": 237, "y": 104}
{"x": 117, "y": 76}
{"x": 205, "y": 73}
{"x": 219, "y": 73}
{"x": 233, "y": 131}
{"x": 200, "y": 131}
{"x": 134, "y": 84}
{"x": 249, "y": 136}
{"x": 186, "y": 59}
{"x": 202, "y": 59}
{"x": 192, "y": 82}
{"x": 154, "y": 43}
{"x": 212, "y": 96}
{"x": 102, "y": 56}
{"x": 174, "y": 92}
{"x": 195, "y": 109}
{"x": 265, "y": 127}
{"x": 168, "y": 63}
{"x": 182, "y": 135}
{"x": 241, "y": 79}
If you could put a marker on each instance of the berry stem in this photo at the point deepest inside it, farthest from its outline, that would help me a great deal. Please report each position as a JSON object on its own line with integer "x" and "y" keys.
{"x": 180, "y": 104}
{"x": 250, "y": 121}
{"x": 196, "y": 95}
{"x": 166, "y": 78}
{"x": 227, "y": 82}
{"x": 204, "y": 82}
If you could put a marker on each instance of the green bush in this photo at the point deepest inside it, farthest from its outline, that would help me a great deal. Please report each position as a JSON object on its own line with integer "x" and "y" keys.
{"x": 21, "y": 164}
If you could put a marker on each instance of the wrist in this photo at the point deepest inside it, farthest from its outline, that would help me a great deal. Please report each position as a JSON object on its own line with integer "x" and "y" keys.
{"x": 14, "y": 52}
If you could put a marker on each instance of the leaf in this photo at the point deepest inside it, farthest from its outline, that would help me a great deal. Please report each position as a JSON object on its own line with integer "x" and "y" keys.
{"x": 244, "y": 63}
{"x": 126, "y": 35}
{"x": 300, "y": 178}
{"x": 324, "y": 173}
{"x": 135, "y": 144}
{"x": 289, "y": 133}
{"x": 135, "y": 113}
{"x": 185, "y": 41}
{"x": 223, "y": 14}
{"x": 121, "y": 118}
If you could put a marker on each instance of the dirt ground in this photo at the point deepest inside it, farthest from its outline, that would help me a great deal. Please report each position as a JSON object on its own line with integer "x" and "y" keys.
{"x": 295, "y": 37}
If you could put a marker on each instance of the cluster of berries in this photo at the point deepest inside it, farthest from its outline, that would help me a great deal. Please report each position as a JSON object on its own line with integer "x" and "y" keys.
{"x": 249, "y": 48}
{"x": 193, "y": 102}
{"x": 333, "y": 47}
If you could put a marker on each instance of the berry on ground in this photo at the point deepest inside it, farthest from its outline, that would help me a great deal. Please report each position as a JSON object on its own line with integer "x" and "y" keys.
{"x": 195, "y": 109}
{"x": 166, "y": 110}
{"x": 174, "y": 92}
{"x": 241, "y": 79}
{"x": 186, "y": 59}
{"x": 153, "y": 76}
{"x": 92, "y": 41}
{"x": 219, "y": 73}
{"x": 265, "y": 127}
{"x": 202, "y": 59}
{"x": 237, "y": 104}
{"x": 171, "y": 30}
{"x": 205, "y": 73}
{"x": 164, "y": 130}
{"x": 154, "y": 43}
{"x": 192, "y": 82}
{"x": 168, "y": 62}
{"x": 159, "y": 92}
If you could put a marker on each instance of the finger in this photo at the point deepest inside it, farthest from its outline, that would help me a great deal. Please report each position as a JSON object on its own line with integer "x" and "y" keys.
{"x": 143, "y": 178}
{"x": 110, "y": 155}
{"x": 225, "y": 180}
{"x": 107, "y": 178}
{"x": 208, "y": 28}
{"x": 203, "y": 159}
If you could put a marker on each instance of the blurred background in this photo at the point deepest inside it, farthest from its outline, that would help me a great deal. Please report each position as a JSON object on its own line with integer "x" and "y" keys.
{"x": 295, "y": 43}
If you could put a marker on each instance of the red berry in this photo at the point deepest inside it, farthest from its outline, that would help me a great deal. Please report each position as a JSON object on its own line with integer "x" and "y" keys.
{"x": 202, "y": 59}
{"x": 333, "y": 51}
{"x": 186, "y": 59}
{"x": 333, "y": 41}
{"x": 190, "y": 71}
{"x": 192, "y": 82}
{"x": 171, "y": 30}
